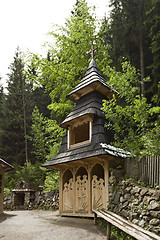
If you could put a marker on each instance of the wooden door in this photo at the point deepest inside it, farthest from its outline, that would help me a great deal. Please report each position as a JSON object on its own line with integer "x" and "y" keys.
{"x": 81, "y": 193}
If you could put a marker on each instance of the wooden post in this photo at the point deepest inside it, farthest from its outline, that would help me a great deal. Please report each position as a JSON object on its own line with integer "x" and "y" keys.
{"x": 95, "y": 218}
{"x": 74, "y": 190}
{"x": 106, "y": 176}
{"x": 61, "y": 192}
{"x": 89, "y": 190}
{"x": 108, "y": 231}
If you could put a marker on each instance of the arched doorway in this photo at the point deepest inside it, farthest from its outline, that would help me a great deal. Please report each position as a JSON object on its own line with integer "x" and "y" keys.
{"x": 97, "y": 187}
{"x": 81, "y": 190}
{"x": 67, "y": 191}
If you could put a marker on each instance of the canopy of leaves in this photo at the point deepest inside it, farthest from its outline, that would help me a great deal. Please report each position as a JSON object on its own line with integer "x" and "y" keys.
{"x": 46, "y": 136}
{"x": 68, "y": 58}
{"x": 133, "y": 120}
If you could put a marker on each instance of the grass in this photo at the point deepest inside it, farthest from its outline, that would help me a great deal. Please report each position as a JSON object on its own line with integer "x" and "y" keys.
{"x": 116, "y": 234}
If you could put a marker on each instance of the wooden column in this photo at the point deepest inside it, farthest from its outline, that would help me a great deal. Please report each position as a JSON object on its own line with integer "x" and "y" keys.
{"x": 74, "y": 190}
{"x": 106, "y": 177}
{"x": 60, "y": 191}
{"x": 2, "y": 190}
{"x": 89, "y": 190}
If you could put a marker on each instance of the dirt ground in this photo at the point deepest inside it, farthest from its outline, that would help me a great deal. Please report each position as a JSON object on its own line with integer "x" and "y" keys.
{"x": 45, "y": 225}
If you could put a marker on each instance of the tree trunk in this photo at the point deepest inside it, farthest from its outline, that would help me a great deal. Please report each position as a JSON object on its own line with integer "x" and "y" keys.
{"x": 24, "y": 122}
{"x": 142, "y": 65}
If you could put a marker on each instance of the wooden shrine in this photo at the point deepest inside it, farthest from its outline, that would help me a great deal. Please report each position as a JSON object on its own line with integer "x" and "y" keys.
{"x": 4, "y": 167}
{"x": 85, "y": 154}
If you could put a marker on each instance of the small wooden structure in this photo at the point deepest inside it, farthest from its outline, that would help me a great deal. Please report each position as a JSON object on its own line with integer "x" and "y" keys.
{"x": 4, "y": 167}
{"x": 85, "y": 154}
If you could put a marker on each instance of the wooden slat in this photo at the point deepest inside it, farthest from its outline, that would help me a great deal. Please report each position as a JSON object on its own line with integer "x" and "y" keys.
{"x": 148, "y": 170}
{"x": 126, "y": 226}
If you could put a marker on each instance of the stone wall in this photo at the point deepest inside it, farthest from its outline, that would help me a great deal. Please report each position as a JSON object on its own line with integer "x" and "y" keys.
{"x": 138, "y": 204}
{"x": 47, "y": 201}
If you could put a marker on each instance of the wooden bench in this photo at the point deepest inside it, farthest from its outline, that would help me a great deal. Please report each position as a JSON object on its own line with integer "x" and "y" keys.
{"x": 126, "y": 226}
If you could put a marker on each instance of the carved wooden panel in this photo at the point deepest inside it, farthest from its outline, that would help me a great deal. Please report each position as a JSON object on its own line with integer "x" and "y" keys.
{"x": 68, "y": 196}
{"x": 98, "y": 193}
{"x": 82, "y": 193}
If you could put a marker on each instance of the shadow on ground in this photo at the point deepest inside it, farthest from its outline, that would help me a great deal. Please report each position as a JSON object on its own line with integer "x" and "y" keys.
{"x": 4, "y": 216}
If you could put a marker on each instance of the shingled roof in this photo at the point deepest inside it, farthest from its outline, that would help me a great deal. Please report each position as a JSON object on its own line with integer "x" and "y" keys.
{"x": 88, "y": 95}
{"x": 88, "y": 104}
{"x": 87, "y": 151}
{"x": 92, "y": 80}
{"x": 6, "y": 166}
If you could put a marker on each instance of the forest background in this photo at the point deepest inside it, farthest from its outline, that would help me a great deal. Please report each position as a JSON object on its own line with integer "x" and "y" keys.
{"x": 128, "y": 56}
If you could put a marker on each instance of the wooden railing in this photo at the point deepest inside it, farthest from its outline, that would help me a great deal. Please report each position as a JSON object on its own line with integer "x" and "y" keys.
{"x": 146, "y": 170}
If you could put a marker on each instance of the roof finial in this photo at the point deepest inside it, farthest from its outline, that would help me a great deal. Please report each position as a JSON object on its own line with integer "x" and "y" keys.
{"x": 92, "y": 51}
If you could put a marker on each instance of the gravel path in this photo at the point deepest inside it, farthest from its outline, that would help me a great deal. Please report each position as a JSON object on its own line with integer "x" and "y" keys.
{"x": 45, "y": 225}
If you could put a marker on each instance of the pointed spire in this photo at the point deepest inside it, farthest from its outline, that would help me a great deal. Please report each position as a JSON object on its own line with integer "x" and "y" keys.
{"x": 91, "y": 81}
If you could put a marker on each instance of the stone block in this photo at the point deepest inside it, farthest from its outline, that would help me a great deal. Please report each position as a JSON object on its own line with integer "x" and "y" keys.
{"x": 154, "y": 222}
{"x": 153, "y": 205}
{"x": 125, "y": 213}
{"x": 135, "y": 190}
{"x": 155, "y": 214}
{"x": 128, "y": 189}
{"x": 143, "y": 192}
{"x": 135, "y": 221}
{"x": 127, "y": 196}
{"x": 116, "y": 198}
{"x": 141, "y": 223}
{"x": 122, "y": 200}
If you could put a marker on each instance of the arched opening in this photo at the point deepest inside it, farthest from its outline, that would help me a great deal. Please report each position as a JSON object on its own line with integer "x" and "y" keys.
{"x": 68, "y": 191}
{"x": 98, "y": 170}
{"x": 67, "y": 176}
{"x": 97, "y": 187}
{"x": 81, "y": 172}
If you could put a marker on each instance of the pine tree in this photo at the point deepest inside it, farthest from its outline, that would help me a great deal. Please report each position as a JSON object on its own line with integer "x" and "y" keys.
{"x": 153, "y": 20}
{"x": 14, "y": 146}
{"x": 129, "y": 36}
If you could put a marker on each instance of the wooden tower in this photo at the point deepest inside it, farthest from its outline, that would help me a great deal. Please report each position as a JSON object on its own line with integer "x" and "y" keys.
{"x": 85, "y": 153}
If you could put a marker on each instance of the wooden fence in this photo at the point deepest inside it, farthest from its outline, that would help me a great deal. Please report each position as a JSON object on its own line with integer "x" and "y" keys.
{"x": 146, "y": 170}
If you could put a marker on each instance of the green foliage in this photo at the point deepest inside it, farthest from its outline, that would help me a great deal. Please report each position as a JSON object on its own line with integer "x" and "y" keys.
{"x": 115, "y": 232}
{"x": 60, "y": 72}
{"x": 51, "y": 181}
{"x": 153, "y": 19}
{"x": 68, "y": 58}
{"x": 46, "y": 136}
{"x": 119, "y": 235}
{"x": 12, "y": 145}
{"x": 130, "y": 116}
{"x": 33, "y": 173}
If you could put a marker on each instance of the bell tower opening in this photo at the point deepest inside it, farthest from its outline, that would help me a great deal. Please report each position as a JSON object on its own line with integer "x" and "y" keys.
{"x": 79, "y": 134}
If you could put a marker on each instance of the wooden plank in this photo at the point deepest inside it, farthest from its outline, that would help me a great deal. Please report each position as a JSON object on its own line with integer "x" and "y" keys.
{"x": 135, "y": 226}
{"x": 130, "y": 228}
